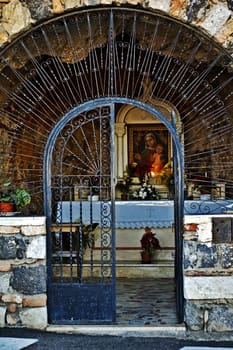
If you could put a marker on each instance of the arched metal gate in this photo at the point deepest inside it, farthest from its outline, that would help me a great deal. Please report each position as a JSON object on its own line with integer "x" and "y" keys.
{"x": 79, "y": 162}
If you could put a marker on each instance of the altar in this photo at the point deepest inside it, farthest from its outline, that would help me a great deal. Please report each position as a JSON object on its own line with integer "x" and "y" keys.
{"x": 129, "y": 214}
{"x": 137, "y": 214}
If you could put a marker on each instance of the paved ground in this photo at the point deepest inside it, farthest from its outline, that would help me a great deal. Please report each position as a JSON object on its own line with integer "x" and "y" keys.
{"x": 146, "y": 318}
{"x": 146, "y": 301}
{"x": 55, "y": 341}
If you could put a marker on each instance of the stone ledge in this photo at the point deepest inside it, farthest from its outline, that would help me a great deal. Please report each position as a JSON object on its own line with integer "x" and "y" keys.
{"x": 22, "y": 220}
{"x": 176, "y": 331}
{"x": 135, "y": 263}
{"x": 208, "y": 287}
{"x": 228, "y": 272}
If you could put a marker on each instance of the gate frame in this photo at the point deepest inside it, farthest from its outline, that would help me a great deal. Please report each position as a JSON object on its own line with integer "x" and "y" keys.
{"x": 178, "y": 178}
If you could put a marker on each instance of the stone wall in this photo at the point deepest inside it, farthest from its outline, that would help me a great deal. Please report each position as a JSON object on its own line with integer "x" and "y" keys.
{"x": 208, "y": 270}
{"x": 23, "y": 298}
{"x": 213, "y": 17}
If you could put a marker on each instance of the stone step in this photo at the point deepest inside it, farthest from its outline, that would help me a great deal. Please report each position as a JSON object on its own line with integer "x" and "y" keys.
{"x": 128, "y": 269}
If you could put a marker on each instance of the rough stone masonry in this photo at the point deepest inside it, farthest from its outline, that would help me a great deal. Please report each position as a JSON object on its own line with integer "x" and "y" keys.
{"x": 215, "y": 18}
{"x": 23, "y": 298}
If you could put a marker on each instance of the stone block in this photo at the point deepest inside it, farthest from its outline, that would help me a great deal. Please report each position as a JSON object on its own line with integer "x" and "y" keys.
{"x": 207, "y": 256}
{"x": 33, "y": 230}
{"x": 90, "y": 2}
{"x": 160, "y": 5}
{"x": 12, "y": 308}
{"x": 69, "y": 4}
{"x": 196, "y": 10}
{"x": 198, "y": 255}
{"x": 7, "y": 248}
{"x": 35, "y": 300}
{"x": 208, "y": 287}
{"x": 7, "y": 230}
{"x": 2, "y": 316}
{"x": 21, "y": 246}
{"x": 193, "y": 316}
{"x": 12, "y": 319}
{"x": 34, "y": 317}
{"x": 29, "y": 280}
{"x": 216, "y": 18}
{"x": 37, "y": 248}
{"x": 226, "y": 259}
{"x": 39, "y": 9}
{"x": 3, "y": 35}
{"x": 15, "y": 17}
{"x": 4, "y": 282}
{"x": 220, "y": 318}
{"x": 58, "y": 6}
{"x": 5, "y": 266}
{"x": 12, "y": 298}
{"x": 209, "y": 316}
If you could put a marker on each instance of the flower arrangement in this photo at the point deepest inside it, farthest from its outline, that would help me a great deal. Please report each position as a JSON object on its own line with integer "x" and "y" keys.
{"x": 146, "y": 192}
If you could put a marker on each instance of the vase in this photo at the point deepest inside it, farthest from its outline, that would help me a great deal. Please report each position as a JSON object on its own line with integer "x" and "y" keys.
{"x": 124, "y": 196}
{"x": 6, "y": 207}
{"x": 146, "y": 257}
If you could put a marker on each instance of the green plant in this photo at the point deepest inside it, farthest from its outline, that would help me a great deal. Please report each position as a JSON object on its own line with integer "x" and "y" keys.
{"x": 123, "y": 187}
{"x": 203, "y": 184}
{"x": 149, "y": 250}
{"x": 86, "y": 235}
{"x": 19, "y": 196}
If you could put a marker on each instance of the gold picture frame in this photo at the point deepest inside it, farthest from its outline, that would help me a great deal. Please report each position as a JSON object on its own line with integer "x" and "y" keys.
{"x": 137, "y": 136}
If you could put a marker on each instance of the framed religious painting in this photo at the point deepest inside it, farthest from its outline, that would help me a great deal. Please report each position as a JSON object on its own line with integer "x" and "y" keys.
{"x": 149, "y": 150}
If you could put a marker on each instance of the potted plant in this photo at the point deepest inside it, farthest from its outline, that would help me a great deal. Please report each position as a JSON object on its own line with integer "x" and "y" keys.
{"x": 204, "y": 186}
{"x": 83, "y": 238}
{"x": 124, "y": 189}
{"x": 149, "y": 244}
{"x": 12, "y": 198}
{"x": 89, "y": 235}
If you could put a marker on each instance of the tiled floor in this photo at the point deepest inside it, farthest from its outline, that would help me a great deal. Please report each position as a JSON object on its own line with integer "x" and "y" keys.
{"x": 145, "y": 301}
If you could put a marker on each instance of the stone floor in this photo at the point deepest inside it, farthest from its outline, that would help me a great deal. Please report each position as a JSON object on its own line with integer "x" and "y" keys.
{"x": 146, "y": 301}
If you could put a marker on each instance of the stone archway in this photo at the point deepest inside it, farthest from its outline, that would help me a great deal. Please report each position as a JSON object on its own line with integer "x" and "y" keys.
{"x": 63, "y": 62}
{"x": 110, "y": 52}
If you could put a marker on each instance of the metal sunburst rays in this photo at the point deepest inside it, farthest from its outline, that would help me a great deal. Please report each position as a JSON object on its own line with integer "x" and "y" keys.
{"x": 118, "y": 52}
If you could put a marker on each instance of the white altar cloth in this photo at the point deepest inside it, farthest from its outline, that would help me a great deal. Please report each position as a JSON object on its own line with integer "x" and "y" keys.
{"x": 138, "y": 214}
{"x": 129, "y": 214}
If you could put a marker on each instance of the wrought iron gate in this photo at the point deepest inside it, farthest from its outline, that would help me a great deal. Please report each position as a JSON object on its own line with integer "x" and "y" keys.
{"x": 81, "y": 221}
